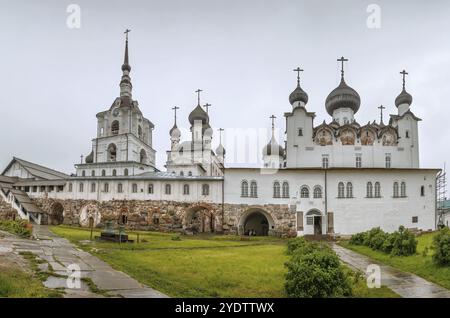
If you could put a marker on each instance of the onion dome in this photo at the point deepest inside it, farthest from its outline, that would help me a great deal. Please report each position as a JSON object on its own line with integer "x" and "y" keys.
{"x": 90, "y": 157}
{"x": 298, "y": 95}
{"x": 403, "y": 98}
{"x": 198, "y": 114}
{"x": 175, "y": 132}
{"x": 273, "y": 148}
{"x": 220, "y": 151}
{"x": 342, "y": 96}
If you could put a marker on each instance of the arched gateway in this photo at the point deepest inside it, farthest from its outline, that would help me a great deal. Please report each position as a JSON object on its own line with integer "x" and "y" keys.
{"x": 56, "y": 215}
{"x": 256, "y": 222}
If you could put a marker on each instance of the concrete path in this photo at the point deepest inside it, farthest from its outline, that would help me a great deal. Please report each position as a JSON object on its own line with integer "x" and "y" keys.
{"x": 405, "y": 284}
{"x": 59, "y": 253}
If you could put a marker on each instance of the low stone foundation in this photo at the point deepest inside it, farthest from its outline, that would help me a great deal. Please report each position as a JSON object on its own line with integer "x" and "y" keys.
{"x": 168, "y": 216}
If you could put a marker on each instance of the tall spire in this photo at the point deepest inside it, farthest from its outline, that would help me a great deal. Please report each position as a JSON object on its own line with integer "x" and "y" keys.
{"x": 125, "y": 83}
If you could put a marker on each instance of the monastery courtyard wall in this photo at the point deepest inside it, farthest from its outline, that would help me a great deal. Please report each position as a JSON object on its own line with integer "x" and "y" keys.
{"x": 169, "y": 216}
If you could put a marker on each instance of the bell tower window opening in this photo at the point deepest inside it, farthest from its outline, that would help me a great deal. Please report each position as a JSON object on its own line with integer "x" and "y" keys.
{"x": 112, "y": 152}
{"x": 115, "y": 128}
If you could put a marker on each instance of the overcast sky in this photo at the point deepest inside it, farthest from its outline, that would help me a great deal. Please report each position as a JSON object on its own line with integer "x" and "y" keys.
{"x": 55, "y": 79}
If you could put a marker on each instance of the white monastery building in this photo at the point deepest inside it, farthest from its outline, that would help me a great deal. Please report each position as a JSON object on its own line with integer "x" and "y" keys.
{"x": 333, "y": 178}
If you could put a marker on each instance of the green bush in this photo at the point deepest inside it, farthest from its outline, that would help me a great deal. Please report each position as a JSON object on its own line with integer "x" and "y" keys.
{"x": 21, "y": 228}
{"x": 441, "y": 246}
{"x": 404, "y": 242}
{"x": 295, "y": 243}
{"x": 316, "y": 274}
{"x": 399, "y": 243}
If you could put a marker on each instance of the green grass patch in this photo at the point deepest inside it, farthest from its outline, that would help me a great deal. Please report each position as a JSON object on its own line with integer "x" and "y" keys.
{"x": 21, "y": 228}
{"x": 197, "y": 266}
{"x": 420, "y": 264}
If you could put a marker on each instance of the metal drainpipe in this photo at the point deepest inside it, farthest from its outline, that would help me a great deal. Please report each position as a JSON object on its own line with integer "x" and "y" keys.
{"x": 326, "y": 199}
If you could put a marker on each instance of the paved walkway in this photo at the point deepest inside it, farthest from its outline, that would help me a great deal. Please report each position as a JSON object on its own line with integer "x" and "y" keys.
{"x": 404, "y": 284}
{"x": 60, "y": 253}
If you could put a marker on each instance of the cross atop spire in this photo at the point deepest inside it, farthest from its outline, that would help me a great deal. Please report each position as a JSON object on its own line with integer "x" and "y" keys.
{"x": 175, "y": 113}
{"x": 298, "y": 70}
{"x": 198, "y": 91}
{"x": 220, "y": 135}
{"x": 273, "y": 122}
{"x": 342, "y": 60}
{"x": 404, "y": 73}
{"x": 381, "y": 107}
{"x": 207, "y": 107}
{"x": 126, "y": 33}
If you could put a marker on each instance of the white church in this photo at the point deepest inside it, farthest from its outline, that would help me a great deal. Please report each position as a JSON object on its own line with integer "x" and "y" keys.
{"x": 333, "y": 178}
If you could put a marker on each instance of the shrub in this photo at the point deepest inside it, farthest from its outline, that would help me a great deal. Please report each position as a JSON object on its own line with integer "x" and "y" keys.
{"x": 441, "y": 246}
{"x": 176, "y": 237}
{"x": 358, "y": 238}
{"x": 294, "y": 244}
{"x": 21, "y": 228}
{"x": 404, "y": 243}
{"x": 376, "y": 242}
{"x": 316, "y": 274}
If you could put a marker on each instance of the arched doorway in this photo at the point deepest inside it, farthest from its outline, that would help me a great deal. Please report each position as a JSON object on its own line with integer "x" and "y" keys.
{"x": 314, "y": 222}
{"x": 256, "y": 222}
{"x": 56, "y": 215}
{"x": 199, "y": 219}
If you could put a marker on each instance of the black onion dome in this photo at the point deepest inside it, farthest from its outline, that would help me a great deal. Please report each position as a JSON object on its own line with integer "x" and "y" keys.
{"x": 342, "y": 96}
{"x": 403, "y": 98}
{"x": 298, "y": 95}
{"x": 175, "y": 132}
{"x": 272, "y": 147}
{"x": 220, "y": 150}
{"x": 90, "y": 157}
{"x": 198, "y": 114}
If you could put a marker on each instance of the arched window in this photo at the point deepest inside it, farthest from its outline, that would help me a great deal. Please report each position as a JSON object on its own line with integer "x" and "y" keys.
{"x": 134, "y": 188}
{"x": 369, "y": 190}
{"x": 317, "y": 192}
{"x": 349, "y": 190}
{"x": 168, "y": 189}
{"x": 304, "y": 192}
{"x": 143, "y": 157}
{"x": 190, "y": 173}
{"x": 112, "y": 152}
{"x": 244, "y": 189}
{"x": 70, "y": 187}
{"x": 403, "y": 189}
{"x": 205, "y": 189}
{"x": 341, "y": 190}
{"x": 285, "y": 190}
{"x": 114, "y": 172}
{"x": 150, "y": 188}
{"x": 140, "y": 132}
{"x": 92, "y": 187}
{"x": 115, "y": 128}
{"x": 325, "y": 162}
{"x": 125, "y": 172}
{"x": 106, "y": 187}
{"x": 181, "y": 173}
{"x": 103, "y": 173}
{"x": 186, "y": 189}
{"x": 276, "y": 189}
{"x": 377, "y": 190}
{"x": 93, "y": 173}
{"x": 395, "y": 190}
{"x": 253, "y": 189}
{"x": 81, "y": 187}
{"x": 83, "y": 173}
{"x": 119, "y": 188}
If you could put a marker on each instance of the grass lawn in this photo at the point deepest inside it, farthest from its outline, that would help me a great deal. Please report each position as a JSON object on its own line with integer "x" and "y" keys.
{"x": 15, "y": 283}
{"x": 201, "y": 266}
{"x": 419, "y": 264}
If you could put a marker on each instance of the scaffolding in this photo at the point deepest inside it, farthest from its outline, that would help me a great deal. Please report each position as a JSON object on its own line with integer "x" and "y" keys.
{"x": 441, "y": 197}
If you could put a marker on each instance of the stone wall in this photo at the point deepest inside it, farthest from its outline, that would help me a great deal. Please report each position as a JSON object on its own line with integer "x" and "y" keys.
{"x": 6, "y": 211}
{"x": 168, "y": 216}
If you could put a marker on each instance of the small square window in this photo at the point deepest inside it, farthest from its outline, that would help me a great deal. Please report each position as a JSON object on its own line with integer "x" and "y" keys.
{"x": 415, "y": 219}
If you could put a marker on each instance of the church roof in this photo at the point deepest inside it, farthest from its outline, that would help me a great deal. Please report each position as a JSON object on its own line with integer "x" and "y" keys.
{"x": 37, "y": 171}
